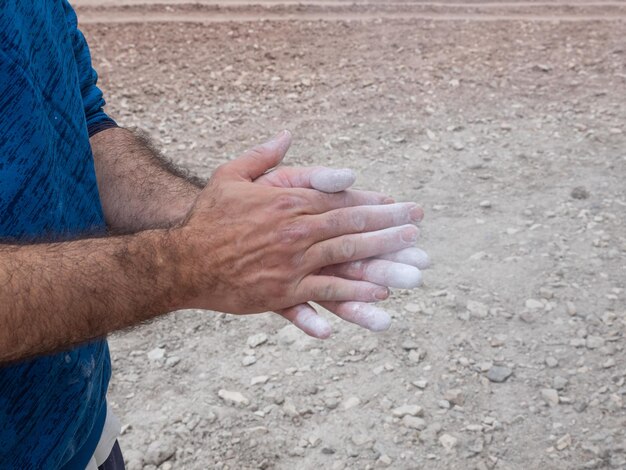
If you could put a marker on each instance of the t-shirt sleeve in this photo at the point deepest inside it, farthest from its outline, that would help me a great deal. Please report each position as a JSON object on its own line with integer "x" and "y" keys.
{"x": 93, "y": 100}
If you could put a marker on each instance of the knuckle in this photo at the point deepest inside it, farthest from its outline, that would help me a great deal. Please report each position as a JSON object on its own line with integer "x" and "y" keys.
{"x": 256, "y": 152}
{"x": 276, "y": 291}
{"x": 348, "y": 247}
{"x": 332, "y": 222}
{"x": 293, "y": 233}
{"x": 360, "y": 269}
{"x": 358, "y": 220}
{"x": 285, "y": 202}
{"x": 328, "y": 255}
{"x": 327, "y": 291}
{"x": 220, "y": 171}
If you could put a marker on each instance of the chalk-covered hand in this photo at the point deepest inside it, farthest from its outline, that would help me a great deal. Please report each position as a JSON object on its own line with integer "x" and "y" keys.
{"x": 248, "y": 247}
{"x": 400, "y": 269}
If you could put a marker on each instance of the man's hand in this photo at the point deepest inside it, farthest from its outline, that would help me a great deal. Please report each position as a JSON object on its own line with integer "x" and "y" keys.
{"x": 398, "y": 269}
{"x": 248, "y": 247}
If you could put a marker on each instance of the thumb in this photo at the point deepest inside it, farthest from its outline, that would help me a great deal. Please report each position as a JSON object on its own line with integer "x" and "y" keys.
{"x": 261, "y": 158}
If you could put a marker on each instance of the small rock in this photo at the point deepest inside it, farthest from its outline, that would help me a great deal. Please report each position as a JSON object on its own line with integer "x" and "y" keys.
{"x": 331, "y": 403}
{"x": 444, "y": 404}
{"x": 533, "y": 304}
{"x": 571, "y": 308}
{"x": 594, "y": 342}
{"x": 248, "y": 360}
{"x": 564, "y": 442}
{"x": 475, "y": 446}
{"x": 350, "y": 403}
{"x": 384, "y": 461}
{"x": 421, "y": 384}
{"x": 477, "y": 309}
{"x": 409, "y": 344}
{"x": 551, "y": 362}
{"x": 290, "y": 408}
{"x": 362, "y": 439}
{"x": 415, "y": 356}
{"x": 448, "y": 441}
{"x": 429, "y": 434}
{"x": 257, "y": 340}
{"x": 610, "y": 362}
{"x": 455, "y": 396}
{"x": 172, "y": 361}
{"x": 412, "y": 308}
{"x": 412, "y": 410}
{"x": 499, "y": 374}
{"x": 546, "y": 293}
{"x": 134, "y": 459}
{"x": 260, "y": 379}
{"x": 290, "y": 337}
{"x": 579, "y": 192}
{"x": 485, "y": 204}
{"x": 414, "y": 422}
{"x": 559, "y": 383}
{"x": 458, "y": 146}
{"x": 156, "y": 354}
{"x": 232, "y": 397}
{"x": 159, "y": 451}
{"x": 541, "y": 68}
{"x": 550, "y": 396}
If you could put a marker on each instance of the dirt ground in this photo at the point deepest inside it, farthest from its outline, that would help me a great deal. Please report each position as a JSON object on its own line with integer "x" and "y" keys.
{"x": 505, "y": 121}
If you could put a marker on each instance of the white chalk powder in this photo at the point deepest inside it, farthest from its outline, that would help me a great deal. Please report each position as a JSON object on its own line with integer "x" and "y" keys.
{"x": 360, "y": 313}
{"x": 306, "y": 318}
{"x": 411, "y": 256}
{"x": 391, "y": 274}
{"x": 329, "y": 180}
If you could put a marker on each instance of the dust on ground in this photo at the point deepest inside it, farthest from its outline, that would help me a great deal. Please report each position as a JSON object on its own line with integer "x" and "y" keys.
{"x": 506, "y": 125}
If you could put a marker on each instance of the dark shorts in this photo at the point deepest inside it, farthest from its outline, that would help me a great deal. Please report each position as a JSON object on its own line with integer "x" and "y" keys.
{"x": 115, "y": 461}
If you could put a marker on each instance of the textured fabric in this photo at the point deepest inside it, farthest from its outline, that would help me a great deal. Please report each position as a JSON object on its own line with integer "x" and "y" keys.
{"x": 50, "y": 406}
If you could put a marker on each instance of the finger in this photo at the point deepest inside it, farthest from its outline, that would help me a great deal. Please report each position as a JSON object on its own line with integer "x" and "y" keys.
{"x": 363, "y": 219}
{"x": 366, "y": 315}
{"x": 257, "y": 160}
{"x": 411, "y": 256}
{"x": 318, "y": 288}
{"x": 306, "y": 318}
{"x": 354, "y": 247}
{"x": 324, "y": 202}
{"x": 381, "y": 272}
{"x": 329, "y": 180}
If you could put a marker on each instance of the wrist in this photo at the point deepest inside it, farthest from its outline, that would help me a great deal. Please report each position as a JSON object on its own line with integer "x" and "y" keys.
{"x": 165, "y": 259}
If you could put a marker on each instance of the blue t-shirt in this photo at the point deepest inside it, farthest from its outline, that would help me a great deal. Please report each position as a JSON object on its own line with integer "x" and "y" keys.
{"x": 52, "y": 408}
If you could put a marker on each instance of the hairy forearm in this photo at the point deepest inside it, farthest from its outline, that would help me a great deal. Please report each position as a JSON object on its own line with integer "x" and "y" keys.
{"x": 55, "y": 295}
{"x": 139, "y": 188}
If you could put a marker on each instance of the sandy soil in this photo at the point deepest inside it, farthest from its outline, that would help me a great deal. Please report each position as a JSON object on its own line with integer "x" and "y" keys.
{"x": 510, "y": 131}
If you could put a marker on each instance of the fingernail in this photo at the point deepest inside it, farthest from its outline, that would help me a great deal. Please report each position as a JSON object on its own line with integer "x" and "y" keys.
{"x": 381, "y": 294}
{"x": 416, "y": 214}
{"x": 389, "y": 200}
{"x": 409, "y": 235}
{"x": 279, "y": 135}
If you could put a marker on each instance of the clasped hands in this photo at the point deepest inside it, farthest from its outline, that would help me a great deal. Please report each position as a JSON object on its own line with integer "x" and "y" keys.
{"x": 267, "y": 238}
